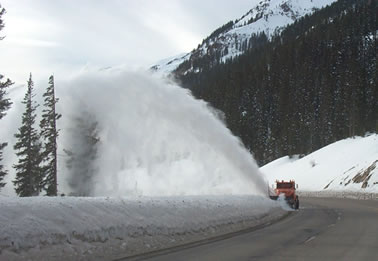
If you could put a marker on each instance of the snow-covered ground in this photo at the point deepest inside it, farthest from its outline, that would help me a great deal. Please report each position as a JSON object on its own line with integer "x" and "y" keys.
{"x": 69, "y": 228}
{"x": 77, "y": 228}
{"x": 166, "y": 66}
{"x": 346, "y": 166}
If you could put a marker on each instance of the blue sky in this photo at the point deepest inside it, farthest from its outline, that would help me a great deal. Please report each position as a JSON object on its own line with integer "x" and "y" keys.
{"x": 63, "y": 36}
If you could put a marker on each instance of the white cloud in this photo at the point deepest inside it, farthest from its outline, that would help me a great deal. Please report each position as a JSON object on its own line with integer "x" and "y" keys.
{"x": 32, "y": 42}
{"x": 43, "y": 35}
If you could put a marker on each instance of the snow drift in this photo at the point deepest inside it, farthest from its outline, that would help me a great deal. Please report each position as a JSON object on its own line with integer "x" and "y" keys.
{"x": 349, "y": 165}
{"x": 74, "y": 228}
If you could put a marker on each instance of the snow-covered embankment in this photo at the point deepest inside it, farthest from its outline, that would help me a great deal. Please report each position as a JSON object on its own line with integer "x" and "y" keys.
{"x": 69, "y": 228}
{"x": 346, "y": 168}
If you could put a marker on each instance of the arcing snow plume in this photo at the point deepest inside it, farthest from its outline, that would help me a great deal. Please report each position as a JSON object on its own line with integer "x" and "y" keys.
{"x": 133, "y": 134}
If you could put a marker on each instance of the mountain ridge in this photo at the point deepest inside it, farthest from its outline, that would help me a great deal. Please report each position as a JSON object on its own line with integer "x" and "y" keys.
{"x": 232, "y": 39}
{"x": 312, "y": 84}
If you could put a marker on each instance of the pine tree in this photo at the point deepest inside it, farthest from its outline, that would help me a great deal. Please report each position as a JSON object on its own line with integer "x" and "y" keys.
{"x": 5, "y": 104}
{"x": 49, "y": 133}
{"x": 28, "y": 180}
{"x": 3, "y": 172}
{"x": 81, "y": 161}
{"x": 307, "y": 87}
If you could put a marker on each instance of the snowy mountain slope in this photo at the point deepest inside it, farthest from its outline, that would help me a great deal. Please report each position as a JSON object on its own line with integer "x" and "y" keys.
{"x": 230, "y": 40}
{"x": 68, "y": 228}
{"x": 346, "y": 165}
{"x": 166, "y": 66}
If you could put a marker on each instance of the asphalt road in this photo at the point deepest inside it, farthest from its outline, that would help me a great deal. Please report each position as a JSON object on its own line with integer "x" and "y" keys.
{"x": 323, "y": 229}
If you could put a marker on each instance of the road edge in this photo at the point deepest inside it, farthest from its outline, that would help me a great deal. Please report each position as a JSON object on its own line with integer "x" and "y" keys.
{"x": 205, "y": 241}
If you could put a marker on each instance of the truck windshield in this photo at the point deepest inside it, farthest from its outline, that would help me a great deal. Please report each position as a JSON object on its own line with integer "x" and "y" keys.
{"x": 284, "y": 185}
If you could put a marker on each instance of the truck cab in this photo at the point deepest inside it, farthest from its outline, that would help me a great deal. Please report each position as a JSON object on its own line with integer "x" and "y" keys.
{"x": 288, "y": 188}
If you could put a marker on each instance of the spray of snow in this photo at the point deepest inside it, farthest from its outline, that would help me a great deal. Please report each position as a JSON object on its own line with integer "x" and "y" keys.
{"x": 283, "y": 203}
{"x": 134, "y": 134}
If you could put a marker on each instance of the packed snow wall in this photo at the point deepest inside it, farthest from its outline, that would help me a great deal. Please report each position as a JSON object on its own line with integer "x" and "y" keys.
{"x": 127, "y": 134}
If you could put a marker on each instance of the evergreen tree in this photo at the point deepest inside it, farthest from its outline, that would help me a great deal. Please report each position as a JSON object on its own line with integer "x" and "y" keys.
{"x": 311, "y": 85}
{"x": 81, "y": 157}
{"x": 49, "y": 133}
{"x": 5, "y": 104}
{"x": 28, "y": 180}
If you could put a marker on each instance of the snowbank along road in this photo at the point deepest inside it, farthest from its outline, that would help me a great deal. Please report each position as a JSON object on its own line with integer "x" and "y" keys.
{"x": 74, "y": 228}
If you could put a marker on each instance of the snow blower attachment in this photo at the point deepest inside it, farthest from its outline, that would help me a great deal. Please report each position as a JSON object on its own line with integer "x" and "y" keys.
{"x": 288, "y": 189}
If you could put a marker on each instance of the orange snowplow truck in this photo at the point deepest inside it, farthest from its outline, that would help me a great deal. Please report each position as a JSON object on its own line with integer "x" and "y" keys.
{"x": 287, "y": 188}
